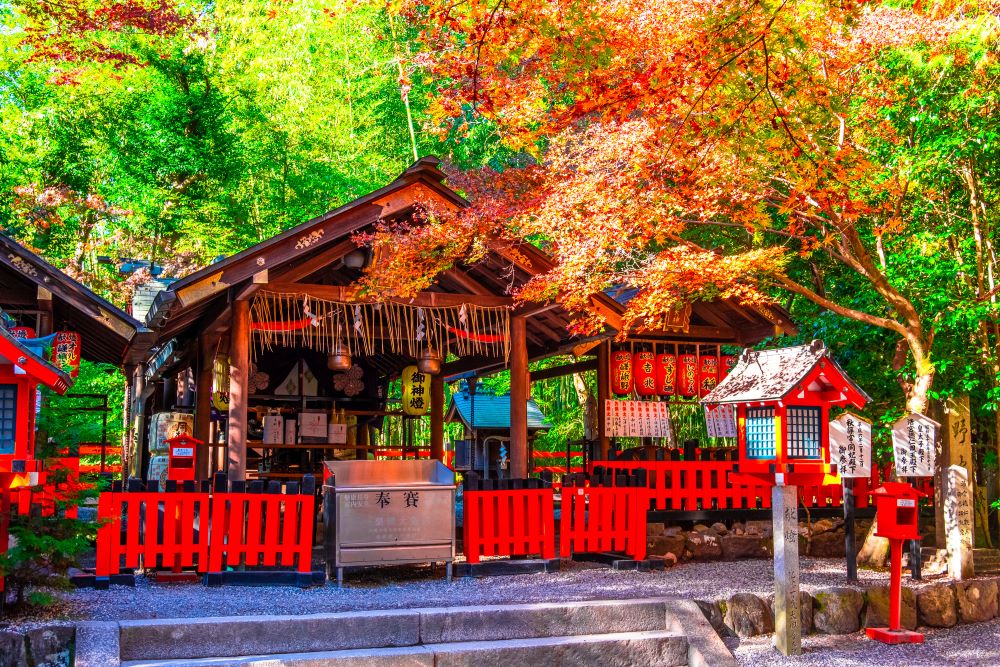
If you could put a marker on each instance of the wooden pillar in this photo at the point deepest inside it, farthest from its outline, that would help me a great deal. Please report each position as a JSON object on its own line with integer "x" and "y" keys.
{"x": 239, "y": 368}
{"x": 46, "y": 321}
{"x": 437, "y": 417}
{"x": 138, "y": 422}
{"x": 520, "y": 391}
{"x": 603, "y": 364}
{"x": 203, "y": 404}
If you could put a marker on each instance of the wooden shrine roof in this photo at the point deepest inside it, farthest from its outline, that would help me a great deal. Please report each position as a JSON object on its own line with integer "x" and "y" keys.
{"x": 15, "y": 352}
{"x": 311, "y": 254}
{"x": 108, "y": 334}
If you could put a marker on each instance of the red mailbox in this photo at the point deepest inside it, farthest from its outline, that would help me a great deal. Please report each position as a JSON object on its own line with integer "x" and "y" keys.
{"x": 180, "y": 453}
{"x": 897, "y": 507}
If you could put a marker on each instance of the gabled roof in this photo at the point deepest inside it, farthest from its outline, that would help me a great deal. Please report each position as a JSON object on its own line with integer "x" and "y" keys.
{"x": 492, "y": 412}
{"x": 108, "y": 333}
{"x": 15, "y": 352}
{"x": 771, "y": 375}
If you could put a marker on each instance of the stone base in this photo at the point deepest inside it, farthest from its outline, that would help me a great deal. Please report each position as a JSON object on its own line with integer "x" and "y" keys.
{"x": 278, "y": 578}
{"x": 500, "y": 568}
{"x": 887, "y": 636}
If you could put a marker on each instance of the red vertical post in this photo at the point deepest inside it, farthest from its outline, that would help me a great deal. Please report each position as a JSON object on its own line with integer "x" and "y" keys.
{"x": 895, "y": 592}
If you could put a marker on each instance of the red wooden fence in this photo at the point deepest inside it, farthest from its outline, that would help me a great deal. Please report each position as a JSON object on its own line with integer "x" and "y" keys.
{"x": 507, "y": 522}
{"x": 604, "y": 519}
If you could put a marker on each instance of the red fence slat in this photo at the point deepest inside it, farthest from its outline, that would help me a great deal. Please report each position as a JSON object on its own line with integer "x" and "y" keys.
{"x": 516, "y": 522}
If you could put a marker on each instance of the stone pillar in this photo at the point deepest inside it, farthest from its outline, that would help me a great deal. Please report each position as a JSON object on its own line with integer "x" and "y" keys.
{"x": 787, "y": 611}
{"x": 958, "y": 522}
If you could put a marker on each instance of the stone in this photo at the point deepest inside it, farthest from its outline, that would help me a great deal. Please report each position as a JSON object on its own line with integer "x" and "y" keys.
{"x": 877, "y": 609}
{"x": 823, "y": 526}
{"x": 97, "y": 645}
{"x": 703, "y": 545}
{"x": 700, "y": 528}
{"x": 837, "y": 611}
{"x": 747, "y": 615}
{"x": 719, "y": 528}
{"x": 828, "y": 545}
{"x": 673, "y": 531}
{"x": 51, "y": 646}
{"x": 713, "y": 613}
{"x": 705, "y": 646}
{"x": 12, "y": 650}
{"x": 977, "y": 600}
{"x": 937, "y": 607}
{"x": 654, "y": 529}
{"x": 743, "y": 546}
{"x": 805, "y": 610}
{"x": 660, "y": 546}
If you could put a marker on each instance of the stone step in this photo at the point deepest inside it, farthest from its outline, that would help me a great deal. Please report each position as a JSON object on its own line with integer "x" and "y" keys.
{"x": 655, "y": 648}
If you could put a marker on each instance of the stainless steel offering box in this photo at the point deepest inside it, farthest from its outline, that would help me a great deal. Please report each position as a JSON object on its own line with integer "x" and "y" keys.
{"x": 389, "y": 513}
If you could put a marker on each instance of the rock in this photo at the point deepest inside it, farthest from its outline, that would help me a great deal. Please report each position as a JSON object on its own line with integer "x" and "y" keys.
{"x": 837, "y": 611}
{"x": 936, "y": 606}
{"x": 51, "y": 646}
{"x": 747, "y": 615}
{"x": 877, "y": 610}
{"x": 673, "y": 531}
{"x": 713, "y": 612}
{"x": 660, "y": 546}
{"x": 700, "y": 528}
{"x": 719, "y": 528}
{"x": 654, "y": 529}
{"x": 805, "y": 610}
{"x": 977, "y": 600}
{"x": 703, "y": 545}
{"x": 742, "y": 546}
{"x": 823, "y": 526}
{"x": 12, "y": 650}
{"x": 828, "y": 545}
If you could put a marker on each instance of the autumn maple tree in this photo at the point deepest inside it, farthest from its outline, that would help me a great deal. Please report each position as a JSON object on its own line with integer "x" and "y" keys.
{"x": 691, "y": 149}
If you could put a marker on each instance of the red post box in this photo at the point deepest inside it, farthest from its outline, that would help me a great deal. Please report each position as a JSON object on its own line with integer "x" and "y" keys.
{"x": 180, "y": 453}
{"x": 897, "y": 507}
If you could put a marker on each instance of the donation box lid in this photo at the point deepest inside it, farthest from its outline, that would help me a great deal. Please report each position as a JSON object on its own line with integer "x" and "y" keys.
{"x": 382, "y": 474}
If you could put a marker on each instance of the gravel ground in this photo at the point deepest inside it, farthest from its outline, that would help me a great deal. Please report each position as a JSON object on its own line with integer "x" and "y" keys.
{"x": 391, "y": 588}
{"x": 975, "y": 645}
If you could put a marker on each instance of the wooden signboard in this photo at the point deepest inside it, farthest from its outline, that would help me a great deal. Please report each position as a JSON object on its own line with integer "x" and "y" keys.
{"x": 637, "y": 419}
{"x": 851, "y": 445}
{"x": 913, "y": 441}
{"x": 720, "y": 420}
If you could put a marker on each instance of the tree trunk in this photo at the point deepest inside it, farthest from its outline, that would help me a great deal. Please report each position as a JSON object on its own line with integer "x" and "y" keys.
{"x": 589, "y": 404}
{"x": 875, "y": 550}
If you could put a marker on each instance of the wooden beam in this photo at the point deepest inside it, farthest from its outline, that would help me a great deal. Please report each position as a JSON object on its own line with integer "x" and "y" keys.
{"x": 566, "y": 369}
{"x": 467, "y": 282}
{"x": 603, "y": 368}
{"x": 520, "y": 391}
{"x": 239, "y": 369}
{"x": 437, "y": 417}
{"x": 423, "y": 299}
{"x": 309, "y": 266}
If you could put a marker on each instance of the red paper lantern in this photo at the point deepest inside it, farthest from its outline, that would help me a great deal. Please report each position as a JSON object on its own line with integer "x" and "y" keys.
{"x": 709, "y": 374}
{"x": 621, "y": 373}
{"x": 644, "y": 370}
{"x": 66, "y": 352}
{"x": 729, "y": 362}
{"x": 688, "y": 381}
{"x": 666, "y": 374}
{"x": 22, "y": 333}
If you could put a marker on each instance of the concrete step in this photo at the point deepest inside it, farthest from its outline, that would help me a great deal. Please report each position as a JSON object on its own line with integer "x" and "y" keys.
{"x": 645, "y": 631}
{"x": 654, "y": 648}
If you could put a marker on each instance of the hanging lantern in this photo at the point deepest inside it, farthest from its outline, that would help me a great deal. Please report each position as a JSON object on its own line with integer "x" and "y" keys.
{"x": 666, "y": 374}
{"x": 22, "y": 333}
{"x": 644, "y": 371}
{"x": 429, "y": 362}
{"x": 66, "y": 352}
{"x": 339, "y": 359}
{"x": 709, "y": 374}
{"x": 688, "y": 381}
{"x": 416, "y": 391}
{"x": 729, "y": 362}
{"x": 621, "y": 373}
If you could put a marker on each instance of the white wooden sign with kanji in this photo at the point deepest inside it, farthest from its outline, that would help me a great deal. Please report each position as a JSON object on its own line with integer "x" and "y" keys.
{"x": 913, "y": 441}
{"x": 720, "y": 421}
{"x": 637, "y": 419}
{"x": 851, "y": 445}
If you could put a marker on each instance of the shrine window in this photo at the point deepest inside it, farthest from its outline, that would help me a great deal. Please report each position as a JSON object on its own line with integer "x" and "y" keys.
{"x": 760, "y": 433}
{"x": 804, "y": 432}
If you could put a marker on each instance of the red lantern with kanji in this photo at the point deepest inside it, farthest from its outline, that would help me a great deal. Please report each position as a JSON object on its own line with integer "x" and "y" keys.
{"x": 644, "y": 370}
{"x": 621, "y": 373}
{"x": 729, "y": 362}
{"x": 666, "y": 374}
{"x": 709, "y": 375}
{"x": 687, "y": 382}
{"x": 22, "y": 333}
{"x": 66, "y": 352}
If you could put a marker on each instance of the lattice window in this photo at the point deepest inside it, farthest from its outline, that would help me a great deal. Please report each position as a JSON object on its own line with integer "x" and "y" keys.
{"x": 804, "y": 432}
{"x": 760, "y": 433}
{"x": 8, "y": 417}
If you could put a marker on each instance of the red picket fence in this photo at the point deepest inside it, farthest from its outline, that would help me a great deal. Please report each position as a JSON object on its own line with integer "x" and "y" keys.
{"x": 262, "y": 529}
{"x": 58, "y": 482}
{"x": 705, "y": 485}
{"x": 205, "y": 530}
{"x": 604, "y": 518}
{"x": 507, "y": 522}
{"x": 556, "y": 462}
{"x": 168, "y": 530}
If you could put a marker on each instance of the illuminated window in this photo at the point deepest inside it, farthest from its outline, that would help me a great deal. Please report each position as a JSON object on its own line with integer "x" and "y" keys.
{"x": 8, "y": 417}
{"x": 760, "y": 433}
{"x": 804, "y": 433}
